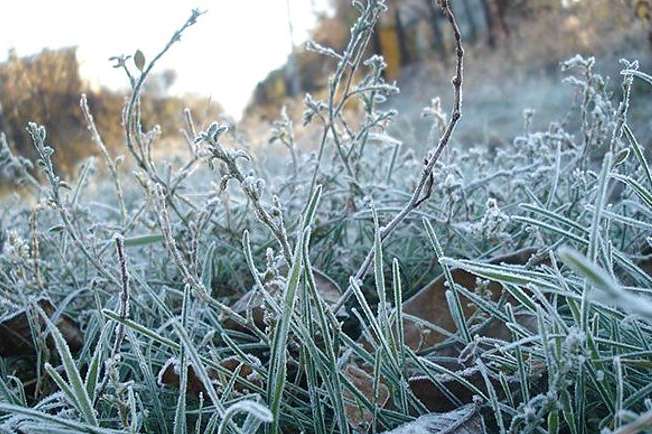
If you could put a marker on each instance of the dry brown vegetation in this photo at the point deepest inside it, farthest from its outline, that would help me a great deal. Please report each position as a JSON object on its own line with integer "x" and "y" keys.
{"x": 46, "y": 87}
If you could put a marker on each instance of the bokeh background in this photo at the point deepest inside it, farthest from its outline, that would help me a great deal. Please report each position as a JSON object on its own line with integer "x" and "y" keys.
{"x": 247, "y": 59}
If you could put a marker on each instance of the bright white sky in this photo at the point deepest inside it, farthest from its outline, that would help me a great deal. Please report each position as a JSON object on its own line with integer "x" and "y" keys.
{"x": 223, "y": 56}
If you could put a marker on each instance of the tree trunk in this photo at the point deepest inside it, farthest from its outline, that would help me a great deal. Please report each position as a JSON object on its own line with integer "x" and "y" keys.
{"x": 438, "y": 36}
{"x": 501, "y": 7}
{"x": 406, "y": 55}
{"x": 494, "y": 12}
{"x": 473, "y": 27}
{"x": 491, "y": 22}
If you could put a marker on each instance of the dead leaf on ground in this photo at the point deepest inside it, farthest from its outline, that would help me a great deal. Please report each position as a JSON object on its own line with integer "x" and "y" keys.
{"x": 436, "y": 399}
{"x": 16, "y": 333}
{"x": 252, "y": 302}
{"x": 359, "y": 416}
{"x": 464, "y": 420}
{"x": 429, "y": 304}
{"x": 646, "y": 264}
{"x": 169, "y": 375}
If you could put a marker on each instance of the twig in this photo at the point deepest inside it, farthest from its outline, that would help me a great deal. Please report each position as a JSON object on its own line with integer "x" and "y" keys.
{"x": 45, "y": 152}
{"x": 250, "y": 186}
{"x": 348, "y": 64}
{"x": 132, "y": 114}
{"x": 110, "y": 163}
{"x": 123, "y": 311}
{"x": 417, "y": 197}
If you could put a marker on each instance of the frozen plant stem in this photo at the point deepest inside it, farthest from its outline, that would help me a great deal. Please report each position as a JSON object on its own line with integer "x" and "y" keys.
{"x": 38, "y": 134}
{"x": 20, "y": 164}
{"x": 423, "y": 188}
{"x": 133, "y": 125}
{"x": 110, "y": 163}
{"x": 138, "y": 142}
{"x": 252, "y": 188}
{"x": 123, "y": 311}
{"x": 348, "y": 64}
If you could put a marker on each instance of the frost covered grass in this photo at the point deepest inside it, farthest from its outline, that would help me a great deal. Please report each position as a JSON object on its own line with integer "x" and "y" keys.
{"x": 229, "y": 294}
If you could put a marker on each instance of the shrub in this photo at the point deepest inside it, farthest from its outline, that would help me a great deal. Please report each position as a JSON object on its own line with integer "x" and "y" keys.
{"x": 45, "y": 88}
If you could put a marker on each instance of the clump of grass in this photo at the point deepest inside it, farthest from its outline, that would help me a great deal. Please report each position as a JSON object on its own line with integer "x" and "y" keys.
{"x": 191, "y": 239}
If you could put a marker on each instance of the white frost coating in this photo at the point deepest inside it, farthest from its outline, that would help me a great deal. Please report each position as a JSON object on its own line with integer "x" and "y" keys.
{"x": 464, "y": 420}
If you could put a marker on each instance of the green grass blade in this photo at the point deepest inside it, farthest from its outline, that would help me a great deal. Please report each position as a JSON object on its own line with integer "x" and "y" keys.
{"x": 74, "y": 377}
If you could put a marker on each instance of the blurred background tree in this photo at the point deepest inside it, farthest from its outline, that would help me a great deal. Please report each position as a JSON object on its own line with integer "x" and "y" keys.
{"x": 532, "y": 34}
{"x": 526, "y": 37}
{"x": 46, "y": 88}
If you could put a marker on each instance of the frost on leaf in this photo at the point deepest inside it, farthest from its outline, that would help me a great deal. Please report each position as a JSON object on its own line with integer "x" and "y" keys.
{"x": 16, "y": 330}
{"x": 464, "y": 420}
{"x": 356, "y": 413}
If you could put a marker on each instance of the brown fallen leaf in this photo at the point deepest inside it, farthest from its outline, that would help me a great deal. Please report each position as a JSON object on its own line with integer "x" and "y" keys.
{"x": 646, "y": 264}
{"x": 16, "y": 332}
{"x": 464, "y": 420}
{"x": 436, "y": 399}
{"x": 327, "y": 287}
{"x": 169, "y": 375}
{"x": 358, "y": 416}
{"x": 429, "y": 304}
{"x": 252, "y": 302}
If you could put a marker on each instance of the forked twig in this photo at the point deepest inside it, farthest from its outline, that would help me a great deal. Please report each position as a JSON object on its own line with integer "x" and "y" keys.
{"x": 424, "y": 187}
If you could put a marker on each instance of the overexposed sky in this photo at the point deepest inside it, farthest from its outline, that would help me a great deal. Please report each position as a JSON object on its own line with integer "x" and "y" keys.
{"x": 232, "y": 47}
